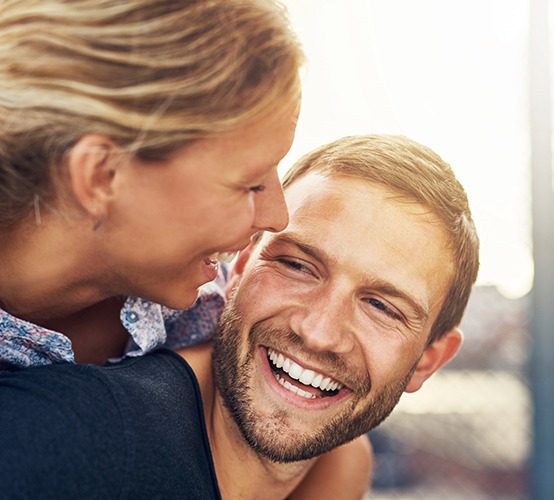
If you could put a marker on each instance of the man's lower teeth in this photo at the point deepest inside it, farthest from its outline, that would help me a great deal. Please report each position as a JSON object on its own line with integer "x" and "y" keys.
{"x": 287, "y": 385}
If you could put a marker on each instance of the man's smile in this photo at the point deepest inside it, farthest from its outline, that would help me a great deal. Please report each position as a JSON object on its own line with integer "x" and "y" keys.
{"x": 301, "y": 385}
{"x": 308, "y": 378}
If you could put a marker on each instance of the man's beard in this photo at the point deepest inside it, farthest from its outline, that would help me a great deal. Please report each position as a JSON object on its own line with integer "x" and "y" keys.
{"x": 273, "y": 435}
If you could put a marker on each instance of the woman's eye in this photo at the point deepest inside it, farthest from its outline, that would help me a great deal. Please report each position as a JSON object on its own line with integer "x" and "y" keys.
{"x": 257, "y": 189}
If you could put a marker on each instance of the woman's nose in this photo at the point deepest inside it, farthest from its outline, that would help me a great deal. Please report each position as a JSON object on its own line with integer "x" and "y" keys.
{"x": 271, "y": 212}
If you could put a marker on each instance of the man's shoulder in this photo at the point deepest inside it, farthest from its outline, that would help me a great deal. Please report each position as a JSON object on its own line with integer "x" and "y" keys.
{"x": 159, "y": 360}
{"x": 165, "y": 401}
{"x": 114, "y": 386}
{"x": 121, "y": 425}
{"x": 199, "y": 359}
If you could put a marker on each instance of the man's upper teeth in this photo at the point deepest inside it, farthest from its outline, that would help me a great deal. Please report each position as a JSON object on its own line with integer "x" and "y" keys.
{"x": 226, "y": 257}
{"x": 305, "y": 376}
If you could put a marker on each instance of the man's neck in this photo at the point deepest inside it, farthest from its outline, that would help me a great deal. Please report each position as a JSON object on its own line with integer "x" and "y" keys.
{"x": 241, "y": 472}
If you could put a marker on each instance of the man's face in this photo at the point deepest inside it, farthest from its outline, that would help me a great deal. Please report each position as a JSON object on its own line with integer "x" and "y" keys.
{"x": 331, "y": 317}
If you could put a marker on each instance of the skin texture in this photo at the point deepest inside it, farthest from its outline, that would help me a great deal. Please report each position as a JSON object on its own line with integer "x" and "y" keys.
{"x": 155, "y": 224}
{"x": 209, "y": 197}
{"x": 350, "y": 289}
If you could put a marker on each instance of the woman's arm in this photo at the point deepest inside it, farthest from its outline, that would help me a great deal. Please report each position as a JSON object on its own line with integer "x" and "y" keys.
{"x": 342, "y": 474}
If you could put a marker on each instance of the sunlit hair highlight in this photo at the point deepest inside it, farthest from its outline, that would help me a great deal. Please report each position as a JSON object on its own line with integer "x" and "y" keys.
{"x": 150, "y": 75}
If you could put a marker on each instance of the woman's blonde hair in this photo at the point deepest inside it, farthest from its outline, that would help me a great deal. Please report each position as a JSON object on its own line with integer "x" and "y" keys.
{"x": 151, "y": 75}
{"x": 416, "y": 174}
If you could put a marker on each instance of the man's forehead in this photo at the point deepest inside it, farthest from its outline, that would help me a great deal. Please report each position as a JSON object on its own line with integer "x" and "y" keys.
{"x": 319, "y": 203}
{"x": 328, "y": 198}
{"x": 314, "y": 187}
{"x": 367, "y": 230}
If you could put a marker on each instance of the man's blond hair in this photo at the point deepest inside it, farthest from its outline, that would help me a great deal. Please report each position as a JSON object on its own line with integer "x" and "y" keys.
{"x": 416, "y": 174}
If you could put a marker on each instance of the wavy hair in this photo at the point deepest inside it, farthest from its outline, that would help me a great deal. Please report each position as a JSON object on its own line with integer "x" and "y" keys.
{"x": 151, "y": 75}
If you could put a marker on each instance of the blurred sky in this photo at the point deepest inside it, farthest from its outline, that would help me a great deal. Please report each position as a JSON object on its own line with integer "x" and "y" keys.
{"x": 450, "y": 74}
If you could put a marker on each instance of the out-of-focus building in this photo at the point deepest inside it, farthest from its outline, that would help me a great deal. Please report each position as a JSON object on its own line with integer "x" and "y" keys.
{"x": 466, "y": 433}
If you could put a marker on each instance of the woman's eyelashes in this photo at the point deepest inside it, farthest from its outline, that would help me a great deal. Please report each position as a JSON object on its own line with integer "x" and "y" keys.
{"x": 257, "y": 189}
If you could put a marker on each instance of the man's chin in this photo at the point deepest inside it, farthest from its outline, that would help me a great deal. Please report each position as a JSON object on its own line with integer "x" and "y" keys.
{"x": 278, "y": 441}
{"x": 274, "y": 422}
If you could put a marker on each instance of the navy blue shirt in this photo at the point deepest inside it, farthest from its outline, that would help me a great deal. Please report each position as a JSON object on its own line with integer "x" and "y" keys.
{"x": 132, "y": 430}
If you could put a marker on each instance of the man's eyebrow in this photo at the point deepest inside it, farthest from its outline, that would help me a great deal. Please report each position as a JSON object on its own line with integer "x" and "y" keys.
{"x": 383, "y": 286}
{"x": 303, "y": 247}
{"x": 389, "y": 289}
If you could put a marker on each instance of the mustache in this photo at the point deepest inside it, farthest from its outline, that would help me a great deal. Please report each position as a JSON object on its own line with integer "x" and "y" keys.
{"x": 269, "y": 335}
{"x": 285, "y": 340}
{"x": 330, "y": 363}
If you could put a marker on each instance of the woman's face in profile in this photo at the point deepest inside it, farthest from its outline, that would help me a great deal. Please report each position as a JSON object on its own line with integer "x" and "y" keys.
{"x": 171, "y": 218}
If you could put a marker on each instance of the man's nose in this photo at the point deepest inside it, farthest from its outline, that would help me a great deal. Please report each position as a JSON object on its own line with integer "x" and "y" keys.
{"x": 271, "y": 213}
{"x": 324, "y": 324}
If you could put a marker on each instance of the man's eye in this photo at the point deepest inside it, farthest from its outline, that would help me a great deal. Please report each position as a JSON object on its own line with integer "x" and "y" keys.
{"x": 257, "y": 189}
{"x": 293, "y": 264}
{"x": 382, "y": 307}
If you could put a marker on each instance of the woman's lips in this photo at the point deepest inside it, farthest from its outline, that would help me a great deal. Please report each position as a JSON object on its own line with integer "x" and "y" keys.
{"x": 211, "y": 263}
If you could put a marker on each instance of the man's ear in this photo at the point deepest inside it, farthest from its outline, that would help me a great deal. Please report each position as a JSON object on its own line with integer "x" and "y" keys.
{"x": 434, "y": 357}
{"x": 238, "y": 268}
{"x": 91, "y": 166}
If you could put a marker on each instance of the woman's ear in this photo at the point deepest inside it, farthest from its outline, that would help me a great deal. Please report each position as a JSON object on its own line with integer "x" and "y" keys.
{"x": 238, "y": 268}
{"x": 91, "y": 166}
{"x": 439, "y": 353}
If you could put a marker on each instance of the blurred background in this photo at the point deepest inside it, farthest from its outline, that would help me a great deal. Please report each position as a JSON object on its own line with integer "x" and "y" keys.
{"x": 470, "y": 79}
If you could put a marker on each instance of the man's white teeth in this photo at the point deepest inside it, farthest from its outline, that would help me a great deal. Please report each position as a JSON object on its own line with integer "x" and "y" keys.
{"x": 304, "y": 376}
{"x": 287, "y": 385}
{"x": 226, "y": 257}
